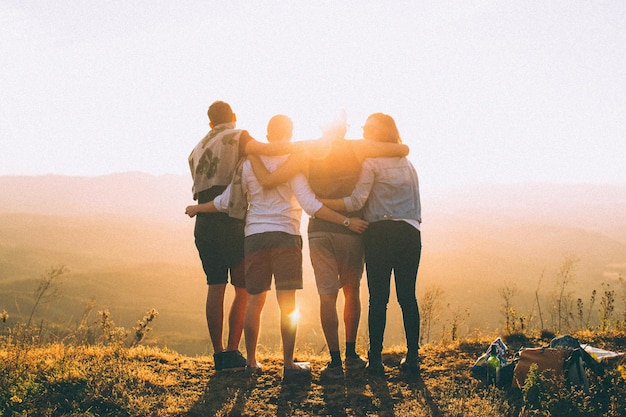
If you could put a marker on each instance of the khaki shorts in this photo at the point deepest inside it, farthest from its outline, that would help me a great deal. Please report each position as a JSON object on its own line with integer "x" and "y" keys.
{"x": 337, "y": 260}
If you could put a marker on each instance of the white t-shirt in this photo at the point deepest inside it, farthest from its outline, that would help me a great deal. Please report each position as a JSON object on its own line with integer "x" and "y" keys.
{"x": 273, "y": 209}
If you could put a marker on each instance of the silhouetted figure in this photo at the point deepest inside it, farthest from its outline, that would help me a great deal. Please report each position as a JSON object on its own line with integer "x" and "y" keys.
{"x": 388, "y": 190}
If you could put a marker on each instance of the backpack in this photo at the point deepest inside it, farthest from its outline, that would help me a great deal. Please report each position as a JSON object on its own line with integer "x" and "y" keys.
{"x": 546, "y": 359}
{"x": 564, "y": 357}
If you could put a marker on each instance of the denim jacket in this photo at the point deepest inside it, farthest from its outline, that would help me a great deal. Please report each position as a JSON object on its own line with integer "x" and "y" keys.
{"x": 391, "y": 189}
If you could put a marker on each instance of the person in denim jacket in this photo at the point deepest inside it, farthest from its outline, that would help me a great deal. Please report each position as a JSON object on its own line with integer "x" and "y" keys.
{"x": 332, "y": 166}
{"x": 388, "y": 190}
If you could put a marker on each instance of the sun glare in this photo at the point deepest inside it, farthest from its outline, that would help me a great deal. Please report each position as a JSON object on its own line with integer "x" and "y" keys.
{"x": 295, "y": 316}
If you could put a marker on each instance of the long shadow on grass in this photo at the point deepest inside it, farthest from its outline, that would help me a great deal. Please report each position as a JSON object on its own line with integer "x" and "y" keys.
{"x": 382, "y": 401}
{"x": 420, "y": 390}
{"x": 293, "y": 395}
{"x": 226, "y": 393}
{"x": 335, "y": 397}
{"x": 346, "y": 397}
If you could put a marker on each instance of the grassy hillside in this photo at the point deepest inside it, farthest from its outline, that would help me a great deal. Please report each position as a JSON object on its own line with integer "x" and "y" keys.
{"x": 129, "y": 247}
{"x": 63, "y": 380}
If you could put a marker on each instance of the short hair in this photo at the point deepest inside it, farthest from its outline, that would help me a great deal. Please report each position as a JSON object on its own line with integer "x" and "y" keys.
{"x": 388, "y": 128}
{"x": 280, "y": 127}
{"x": 220, "y": 112}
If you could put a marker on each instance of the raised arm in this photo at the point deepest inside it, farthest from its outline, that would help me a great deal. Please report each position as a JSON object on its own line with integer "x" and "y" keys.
{"x": 372, "y": 149}
{"x": 254, "y": 147}
{"x": 297, "y": 163}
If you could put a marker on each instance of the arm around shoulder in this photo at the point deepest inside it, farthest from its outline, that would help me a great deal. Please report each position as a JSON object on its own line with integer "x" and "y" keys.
{"x": 373, "y": 149}
{"x": 254, "y": 147}
{"x": 295, "y": 164}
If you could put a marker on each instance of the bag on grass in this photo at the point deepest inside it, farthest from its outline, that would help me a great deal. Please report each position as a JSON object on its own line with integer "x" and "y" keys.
{"x": 545, "y": 358}
{"x": 479, "y": 369}
{"x": 506, "y": 374}
{"x": 567, "y": 362}
{"x": 578, "y": 360}
{"x": 575, "y": 368}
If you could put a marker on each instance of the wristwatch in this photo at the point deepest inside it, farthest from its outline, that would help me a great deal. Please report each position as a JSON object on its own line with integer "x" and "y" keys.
{"x": 346, "y": 222}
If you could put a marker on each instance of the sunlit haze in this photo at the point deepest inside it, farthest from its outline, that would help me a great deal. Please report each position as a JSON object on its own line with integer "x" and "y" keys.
{"x": 482, "y": 91}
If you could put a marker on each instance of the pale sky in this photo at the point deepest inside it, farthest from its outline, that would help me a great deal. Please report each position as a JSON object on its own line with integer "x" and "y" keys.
{"x": 482, "y": 91}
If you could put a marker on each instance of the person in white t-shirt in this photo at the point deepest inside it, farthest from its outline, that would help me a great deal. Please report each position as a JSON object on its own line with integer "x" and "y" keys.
{"x": 273, "y": 245}
{"x": 218, "y": 237}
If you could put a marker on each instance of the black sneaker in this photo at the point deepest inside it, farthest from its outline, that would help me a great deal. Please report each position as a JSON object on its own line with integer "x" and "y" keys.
{"x": 217, "y": 360}
{"x": 233, "y": 361}
{"x": 410, "y": 365}
{"x": 355, "y": 362}
{"x": 333, "y": 370}
{"x": 375, "y": 368}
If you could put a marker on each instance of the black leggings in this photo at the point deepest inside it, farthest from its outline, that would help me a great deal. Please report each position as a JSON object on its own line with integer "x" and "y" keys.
{"x": 392, "y": 246}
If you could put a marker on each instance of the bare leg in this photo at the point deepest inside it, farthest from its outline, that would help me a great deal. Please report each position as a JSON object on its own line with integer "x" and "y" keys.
{"x": 351, "y": 312}
{"x": 215, "y": 315}
{"x": 251, "y": 325}
{"x": 330, "y": 321}
{"x": 236, "y": 318}
{"x": 288, "y": 327}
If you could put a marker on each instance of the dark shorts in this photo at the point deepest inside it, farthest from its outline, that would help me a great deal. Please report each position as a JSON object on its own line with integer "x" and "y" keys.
{"x": 219, "y": 240}
{"x": 273, "y": 253}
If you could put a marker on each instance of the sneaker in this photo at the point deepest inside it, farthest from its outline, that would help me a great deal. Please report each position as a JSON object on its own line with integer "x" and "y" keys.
{"x": 410, "y": 365}
{"x": 333, "y": 370}
{"x": 301, "y": 370}
{"x": 355, "y": 362}
{"x": 233, "y": 361}
{"x": 217, "y": 360}
{"x": 253, "y": 370}
{"x": 375, "y": 368}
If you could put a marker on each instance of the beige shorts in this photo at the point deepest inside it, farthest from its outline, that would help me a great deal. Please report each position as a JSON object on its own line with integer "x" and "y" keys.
{"x": 337, "y": 260}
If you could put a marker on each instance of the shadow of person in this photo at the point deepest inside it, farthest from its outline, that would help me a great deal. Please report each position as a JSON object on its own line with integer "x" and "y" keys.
{"x": 356, "y": 387}
{"x": 381, "y": 398}
{"x": 226, "y": 393}
{"x": 293, "y": 393}
{"x": 334, "y": 393}
{"x": 421, "y": 391}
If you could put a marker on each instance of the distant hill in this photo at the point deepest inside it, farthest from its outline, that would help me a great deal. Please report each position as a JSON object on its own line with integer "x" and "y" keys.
{"x": 128, "y": 244}
{"x": 593, "y": 207}
{"x": 587, "y": 206}
{"x": 131, "y": 194}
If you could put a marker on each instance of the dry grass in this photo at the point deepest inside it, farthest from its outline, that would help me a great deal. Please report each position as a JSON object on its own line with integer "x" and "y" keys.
{"x": 61, "y": 380}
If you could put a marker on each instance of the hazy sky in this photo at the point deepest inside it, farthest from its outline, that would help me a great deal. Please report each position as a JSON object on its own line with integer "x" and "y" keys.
{"x": 482, "y": 91}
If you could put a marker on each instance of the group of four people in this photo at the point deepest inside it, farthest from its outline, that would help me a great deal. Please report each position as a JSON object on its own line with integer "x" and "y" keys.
{"x": 348, "y": 187}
